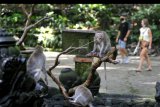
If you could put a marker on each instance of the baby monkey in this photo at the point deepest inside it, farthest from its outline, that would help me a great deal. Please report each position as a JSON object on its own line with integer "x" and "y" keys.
{"x": 82, "y": 97}
{"x": 36, "y": 64}
{"x": 101, "y": 43}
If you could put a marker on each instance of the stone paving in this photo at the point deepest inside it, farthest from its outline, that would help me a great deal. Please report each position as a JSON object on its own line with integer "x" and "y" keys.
{"x": 121, "y": 78}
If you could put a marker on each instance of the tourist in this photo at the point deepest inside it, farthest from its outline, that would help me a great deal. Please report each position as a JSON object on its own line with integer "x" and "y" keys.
{"x": 145, "y": 39}
{"x": 123, "y": 33}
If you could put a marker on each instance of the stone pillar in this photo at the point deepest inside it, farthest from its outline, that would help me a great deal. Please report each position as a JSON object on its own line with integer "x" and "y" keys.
{"x": 78, "y": 38}
{"x": 82, "y": 68}
{"x": 82, "y": 64}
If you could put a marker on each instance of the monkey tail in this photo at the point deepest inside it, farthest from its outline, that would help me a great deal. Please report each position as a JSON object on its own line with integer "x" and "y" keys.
{"x": 105, "y": 74}
{"x": 105, "y": 70}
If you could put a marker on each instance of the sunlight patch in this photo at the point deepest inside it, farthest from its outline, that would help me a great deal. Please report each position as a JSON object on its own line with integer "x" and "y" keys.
{"x": 149, "y": 83}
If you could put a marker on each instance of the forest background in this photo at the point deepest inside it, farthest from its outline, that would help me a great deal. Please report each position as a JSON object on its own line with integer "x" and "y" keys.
{"x": 35, "y": 23}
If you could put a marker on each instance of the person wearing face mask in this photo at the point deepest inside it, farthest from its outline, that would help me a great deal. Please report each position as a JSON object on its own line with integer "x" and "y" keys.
{"x": 123, "y": 33}
{"x": 145, "y": 39}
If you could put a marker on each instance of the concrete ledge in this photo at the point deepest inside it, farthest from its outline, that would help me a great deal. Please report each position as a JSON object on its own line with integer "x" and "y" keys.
{"x": 26, "y": 51}
{"x": 79, "y": 31}
{"x": 80, "y": 59}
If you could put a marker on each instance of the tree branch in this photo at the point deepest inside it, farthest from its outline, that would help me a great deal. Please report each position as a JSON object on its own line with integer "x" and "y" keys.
{"x": 31, "y": 11}
{"x": 32, "y": 8}
{"x": 30, "y": 15}
{"x": 24, "y": 9}
{"x": 61, "y": 87}
{"x": 22, "y": 37}
{"x": 27, "y": 28}
{"x": 93, "y": 70}
{"x": 33, "y": 25}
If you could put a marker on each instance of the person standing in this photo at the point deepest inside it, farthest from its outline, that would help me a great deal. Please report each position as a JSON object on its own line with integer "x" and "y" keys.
{"x": 145, "y": 39}
{"x": 123, "y": 33}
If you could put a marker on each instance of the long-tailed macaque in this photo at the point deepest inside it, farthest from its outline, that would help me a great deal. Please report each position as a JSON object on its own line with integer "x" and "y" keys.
{"x": 101, "y": 43}
{"x": 36, "y": 64}
{"x": 82, "y": 97}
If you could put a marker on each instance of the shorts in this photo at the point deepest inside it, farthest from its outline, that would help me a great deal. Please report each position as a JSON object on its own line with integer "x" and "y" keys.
{"x": 121, "y": 44}
{"x": 144, "y": 44}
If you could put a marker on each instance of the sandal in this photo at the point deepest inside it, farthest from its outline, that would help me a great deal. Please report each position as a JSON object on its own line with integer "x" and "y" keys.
{"x": 149, "y": 69}
{"x": 137, "y": 70}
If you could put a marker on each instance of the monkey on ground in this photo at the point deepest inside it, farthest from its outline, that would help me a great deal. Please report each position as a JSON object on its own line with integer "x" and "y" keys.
{"x": 82, "y": 97}
{"x": 36, "y": 64}
{"x": 101, "y": 43}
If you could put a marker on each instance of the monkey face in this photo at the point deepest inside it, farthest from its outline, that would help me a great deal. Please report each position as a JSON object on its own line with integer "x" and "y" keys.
{"x": 99, "y": 37}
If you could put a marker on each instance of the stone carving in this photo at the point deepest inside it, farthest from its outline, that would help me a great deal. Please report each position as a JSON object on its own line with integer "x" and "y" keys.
{"x": 17, "y": 88}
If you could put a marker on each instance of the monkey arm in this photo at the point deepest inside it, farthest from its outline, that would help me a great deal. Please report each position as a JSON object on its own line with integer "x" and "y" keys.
{"x": 44, "y": 71}
{"x": 102, "y": 49}
{"x": 93, "y": 52}
{"x": 94, "y": 48}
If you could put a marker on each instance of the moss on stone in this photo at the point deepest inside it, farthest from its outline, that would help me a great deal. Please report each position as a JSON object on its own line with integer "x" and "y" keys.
{"x": 13, "y": 51}
{"x": 81, "y": 67}
{"x": 77, "y": 38}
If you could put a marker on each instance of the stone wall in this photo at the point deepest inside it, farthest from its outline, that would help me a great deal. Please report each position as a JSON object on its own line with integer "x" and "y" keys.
{"x": 77, "y": 38}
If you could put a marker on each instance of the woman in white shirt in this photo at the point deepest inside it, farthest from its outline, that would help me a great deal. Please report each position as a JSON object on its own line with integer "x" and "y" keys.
{"x": 146, "y": 42}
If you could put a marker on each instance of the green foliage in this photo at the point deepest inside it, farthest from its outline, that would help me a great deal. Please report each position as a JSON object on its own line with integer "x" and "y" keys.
{"x": 11, "y": 19}
{"x": 152, "y": 14}
{"x": 13, "y": 51}
{"x": 31, "y": 40}
{"x": 47, "y": 37}
{"x": 95, "y": 14}
{"x": 80, "y": 16}
{"x": 77, "y": 16}
{"x": 155, "y": 34}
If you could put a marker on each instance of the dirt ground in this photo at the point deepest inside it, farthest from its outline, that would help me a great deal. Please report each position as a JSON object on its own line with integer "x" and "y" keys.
{"x": 121, "y": 78}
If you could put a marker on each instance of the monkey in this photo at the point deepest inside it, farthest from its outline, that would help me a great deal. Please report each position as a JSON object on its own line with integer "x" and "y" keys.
{"x": 36, "y": 64}
{"x": 102, "y": 43}
{"x": 82, "y": 97}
